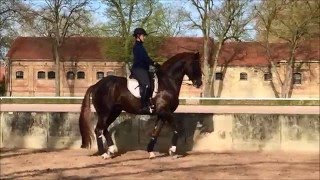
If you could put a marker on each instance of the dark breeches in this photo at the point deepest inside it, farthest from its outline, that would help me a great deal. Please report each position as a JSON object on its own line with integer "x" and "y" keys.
{"x": 142, "y": 76}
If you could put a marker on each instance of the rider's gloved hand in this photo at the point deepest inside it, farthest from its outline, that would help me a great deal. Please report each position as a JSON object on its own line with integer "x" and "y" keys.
{"x": 156, "y": 65}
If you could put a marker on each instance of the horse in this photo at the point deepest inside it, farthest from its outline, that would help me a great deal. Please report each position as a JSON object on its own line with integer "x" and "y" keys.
{"x": 110, "y": 96}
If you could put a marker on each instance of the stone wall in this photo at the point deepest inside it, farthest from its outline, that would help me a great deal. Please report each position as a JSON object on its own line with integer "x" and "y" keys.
{"x": 203, "y": 132}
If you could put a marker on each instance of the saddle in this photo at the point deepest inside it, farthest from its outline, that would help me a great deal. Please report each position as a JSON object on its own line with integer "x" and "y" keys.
{"x": 133, "y": 85}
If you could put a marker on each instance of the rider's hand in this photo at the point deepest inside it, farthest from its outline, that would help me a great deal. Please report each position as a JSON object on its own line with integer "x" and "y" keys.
{"x": 156, "y": 65}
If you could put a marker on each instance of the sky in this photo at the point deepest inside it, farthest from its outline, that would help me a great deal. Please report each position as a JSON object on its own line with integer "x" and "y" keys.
{"x": 100, "y": 17}
{"x": 99, "y": 12}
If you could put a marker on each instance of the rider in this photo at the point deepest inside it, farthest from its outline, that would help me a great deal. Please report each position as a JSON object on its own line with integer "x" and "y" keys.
{"x": 140, "y": 69}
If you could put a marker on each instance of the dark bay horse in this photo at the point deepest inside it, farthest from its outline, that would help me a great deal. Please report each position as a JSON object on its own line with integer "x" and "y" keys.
{"x": 110, "y": 96}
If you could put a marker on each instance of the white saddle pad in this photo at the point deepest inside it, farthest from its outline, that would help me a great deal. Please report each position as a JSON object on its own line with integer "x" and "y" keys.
{"x": 134, "y": 88}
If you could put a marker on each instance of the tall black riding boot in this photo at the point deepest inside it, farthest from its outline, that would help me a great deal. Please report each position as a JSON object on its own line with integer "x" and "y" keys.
{"x": 145, "y": 101}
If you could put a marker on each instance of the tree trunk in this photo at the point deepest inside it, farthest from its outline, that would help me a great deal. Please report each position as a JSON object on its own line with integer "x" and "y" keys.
{"x": 57, "y": 63}
{"x": 126, "y": 48}
{"x": 206, "y": 68}
{"x": 285, "y": 87}
{"x": 213, "y": 70}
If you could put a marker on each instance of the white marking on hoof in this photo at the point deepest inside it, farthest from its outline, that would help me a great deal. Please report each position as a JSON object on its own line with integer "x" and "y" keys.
{"x": 112, "y": 149}
{"x": 152, "y": 155}
{"x": 106, "y": 156}
{"x": 172, "y": 150}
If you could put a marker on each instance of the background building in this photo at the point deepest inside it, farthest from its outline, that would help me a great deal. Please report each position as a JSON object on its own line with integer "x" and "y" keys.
{"x": 243, "y": 71}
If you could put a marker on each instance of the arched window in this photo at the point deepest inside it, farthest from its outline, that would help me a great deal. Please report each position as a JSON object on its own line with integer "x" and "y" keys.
{"x": 51, "y": 75}
{"x": 267, "y": 76}
{"x": 297, "y": 78}
{"x": 70, "y": 75}
{"x": 19, "y": 75}
{"x": 243, "y": 76}
{"x": 100, "y": 75}
{"x": 81, "y": 75}
{"x": 41, "y": 75}
{"x": 219, "y": 76}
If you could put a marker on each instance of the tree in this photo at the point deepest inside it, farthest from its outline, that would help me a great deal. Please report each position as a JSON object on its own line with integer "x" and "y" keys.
{"x": 202, "y": 23}
{"x": 224, "y": 20}
{"x": 291, "y": 22}
{"x": 59, "y": 19}
{"x": 229, "y": 21}
{"x": 10, "y": 13}
{"x": 167, "y": 21}
{"x": 124, "y": 15}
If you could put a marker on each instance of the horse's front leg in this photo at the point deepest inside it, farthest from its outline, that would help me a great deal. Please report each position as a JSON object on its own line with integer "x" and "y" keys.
{"x": 154, "y": 136}
{"x": 174, "y": 140}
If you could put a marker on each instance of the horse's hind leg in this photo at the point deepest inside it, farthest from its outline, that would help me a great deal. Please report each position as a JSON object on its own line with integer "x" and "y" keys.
{"x": 102, "y": 118}
{"x": 111, "y": 147}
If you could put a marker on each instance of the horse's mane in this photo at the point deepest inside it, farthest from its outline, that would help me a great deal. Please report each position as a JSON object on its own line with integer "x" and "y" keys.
{"x": 175, "y": 58}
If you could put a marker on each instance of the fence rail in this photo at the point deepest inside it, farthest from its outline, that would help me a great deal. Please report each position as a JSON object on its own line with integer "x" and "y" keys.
{"x": 181, "y": 98}
{"x": 183, "y": 101}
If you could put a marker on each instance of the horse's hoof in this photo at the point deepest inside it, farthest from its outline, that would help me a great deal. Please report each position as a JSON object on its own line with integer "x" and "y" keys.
{"x": 172, "y": 151}
{"x": 106, "y": 156}
{"x": 152, "y": 155}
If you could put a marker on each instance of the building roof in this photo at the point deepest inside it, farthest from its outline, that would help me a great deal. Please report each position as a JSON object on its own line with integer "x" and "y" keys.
{"x": 2, "y": 72}
{"x": 92, "y": 48}
{"x": 255, "y": 54}
{"x": 40, "y": 48}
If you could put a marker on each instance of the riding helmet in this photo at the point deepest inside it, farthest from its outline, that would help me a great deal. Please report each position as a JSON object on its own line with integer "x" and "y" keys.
{"x": 139, "y": 31}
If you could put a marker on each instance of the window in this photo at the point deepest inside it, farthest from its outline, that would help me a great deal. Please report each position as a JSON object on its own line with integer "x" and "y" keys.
{"x": 110, "y": 73}
{"x": 100, "y": 75}
{"x": 219, "y": 76}
{"x": 41, "y": 75}
{"x": 19, "y": 75}
{"x": 81, "y": 75}
{"x": 51, "y": 75}
{"x": 297, "y": 78}
{"x": 267, "y": 76}
{"x": 243, "y": 76}
{"x": 70, "y": 75}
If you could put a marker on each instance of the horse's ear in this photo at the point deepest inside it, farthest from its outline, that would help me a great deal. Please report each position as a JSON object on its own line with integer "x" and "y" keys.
{"x": 197, "y": 55}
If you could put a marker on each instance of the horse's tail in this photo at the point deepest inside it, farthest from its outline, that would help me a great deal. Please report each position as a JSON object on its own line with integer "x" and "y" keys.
{"x": 84, "y": 120}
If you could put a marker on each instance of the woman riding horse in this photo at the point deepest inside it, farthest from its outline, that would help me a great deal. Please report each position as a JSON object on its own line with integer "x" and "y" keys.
{"x": 110, "y": 96}
{"x": 140, "y": 69}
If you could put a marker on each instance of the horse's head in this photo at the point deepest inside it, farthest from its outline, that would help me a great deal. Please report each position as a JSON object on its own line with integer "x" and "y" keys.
{"x": 193, "y": 70}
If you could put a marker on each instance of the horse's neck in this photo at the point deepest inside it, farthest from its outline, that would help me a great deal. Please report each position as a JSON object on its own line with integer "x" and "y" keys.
{"x": 174, "y": 76}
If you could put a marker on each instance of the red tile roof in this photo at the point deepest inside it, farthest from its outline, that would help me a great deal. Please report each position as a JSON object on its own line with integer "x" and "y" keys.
{"x": 36, "y": 48}
{"x": 174, "y": 45}
{"x": 254, "y": 53}
{"x": 2, "y": 73}
{"x": 91, "y": 48}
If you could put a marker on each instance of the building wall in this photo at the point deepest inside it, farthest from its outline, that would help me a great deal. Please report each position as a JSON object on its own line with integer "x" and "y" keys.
{"x": 254, "y": 87}
{"x": 232, "y": 86}
{"x": 30, "y": 85}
